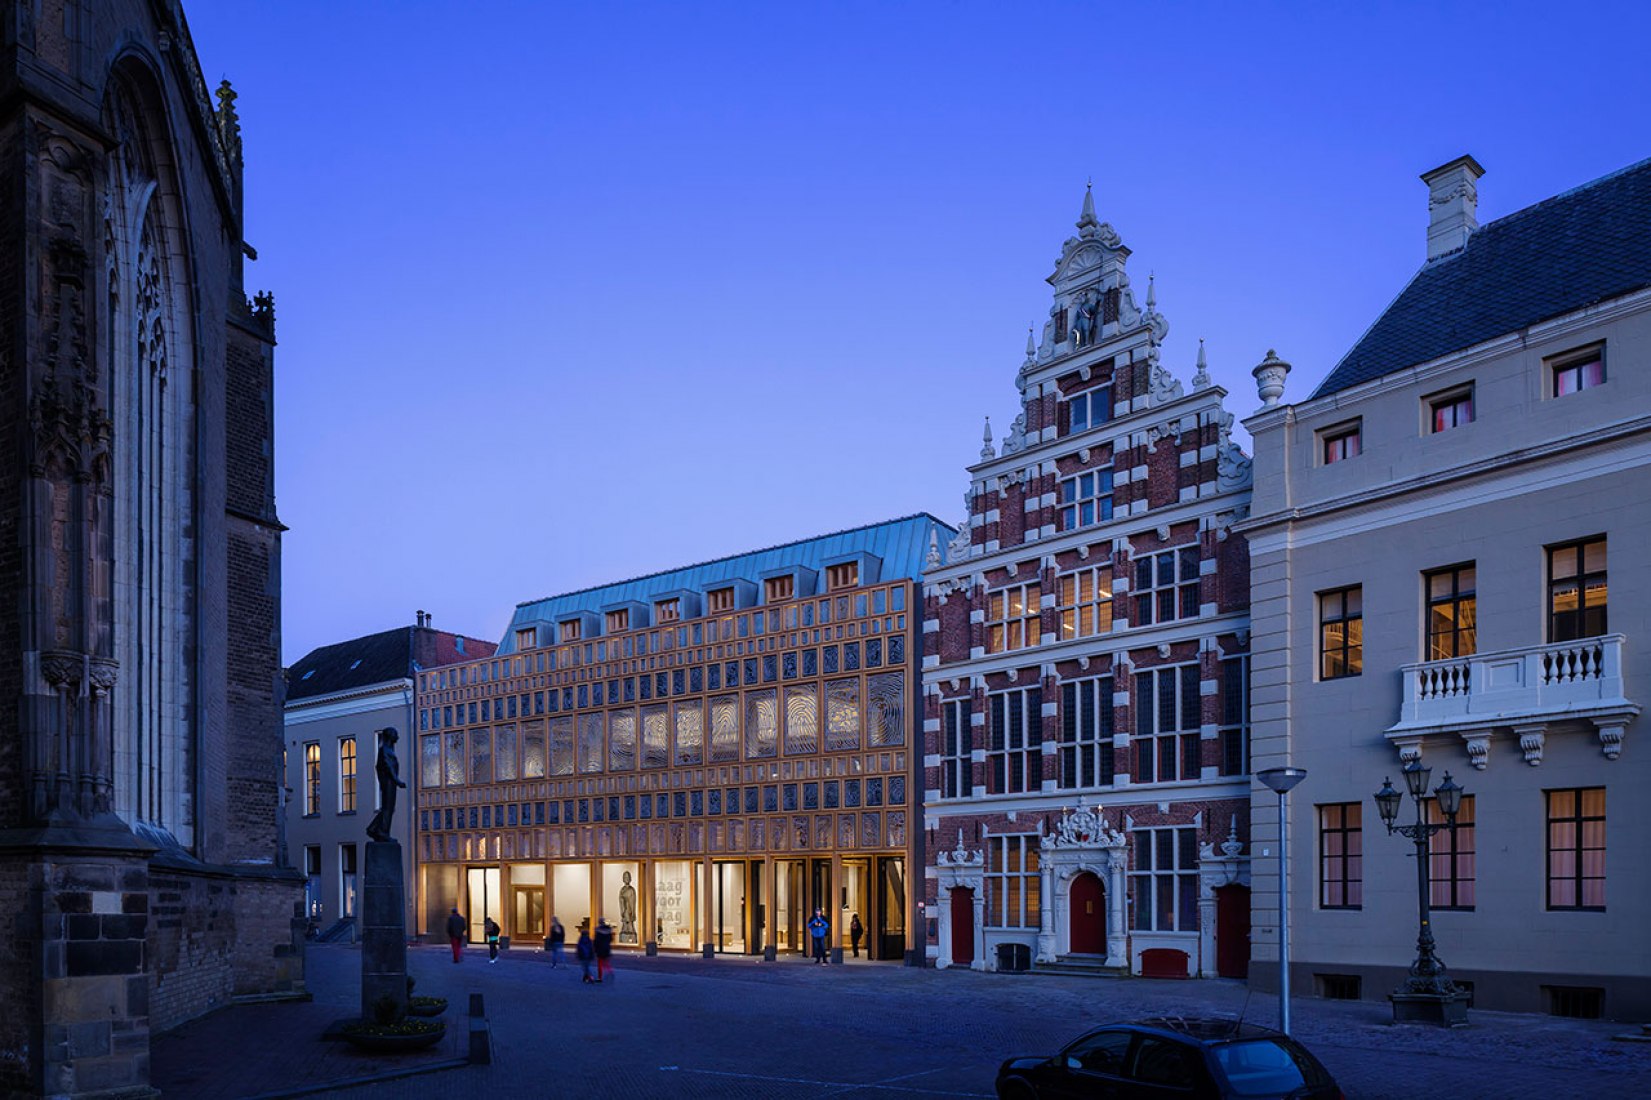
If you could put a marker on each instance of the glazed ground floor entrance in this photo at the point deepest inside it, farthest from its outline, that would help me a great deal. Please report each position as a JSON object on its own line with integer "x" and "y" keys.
{"x": 710, "y": 905}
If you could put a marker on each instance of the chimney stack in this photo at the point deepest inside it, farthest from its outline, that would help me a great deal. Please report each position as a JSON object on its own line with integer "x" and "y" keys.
{"x": 1452, "y": 205}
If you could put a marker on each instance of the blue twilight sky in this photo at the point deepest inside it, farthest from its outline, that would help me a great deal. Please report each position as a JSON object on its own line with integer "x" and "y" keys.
{"x": 571, "y": 292}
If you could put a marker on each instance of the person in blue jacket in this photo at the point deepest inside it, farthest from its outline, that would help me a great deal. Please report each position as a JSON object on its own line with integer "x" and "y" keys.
{"x": 818, "y": 927}
{"x": 585, "y": 949}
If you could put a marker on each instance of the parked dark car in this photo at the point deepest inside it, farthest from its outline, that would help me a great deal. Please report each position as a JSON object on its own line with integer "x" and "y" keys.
{"x": 1165, "y": 1058}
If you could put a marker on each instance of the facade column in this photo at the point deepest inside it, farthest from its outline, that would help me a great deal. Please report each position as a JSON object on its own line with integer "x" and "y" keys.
{"x": 943, "y": 902}
{"x": 1206, "y": 928}
{"x": 833, "y": 909}
{"x": 1117, "y": 932}
{"x": 980, "y": 929}
{"x": 707, "y": 946}
{"x": 1047, "y": 913}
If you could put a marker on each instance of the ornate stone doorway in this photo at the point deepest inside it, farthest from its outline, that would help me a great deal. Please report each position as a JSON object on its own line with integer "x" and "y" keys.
{"x": 1088, "y": 908}
{"x": 962, "y": 906}
{"x": 1232, "y": 931}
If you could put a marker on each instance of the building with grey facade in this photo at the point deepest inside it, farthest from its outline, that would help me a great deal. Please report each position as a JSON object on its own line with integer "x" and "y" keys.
{"x": 1451, "y": 558}
{"x": 338, "y": 699}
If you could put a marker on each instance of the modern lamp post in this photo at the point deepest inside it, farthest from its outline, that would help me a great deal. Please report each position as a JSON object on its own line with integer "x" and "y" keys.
{"x": 1281, "y": 780}
{"x": 1428, "y": 996}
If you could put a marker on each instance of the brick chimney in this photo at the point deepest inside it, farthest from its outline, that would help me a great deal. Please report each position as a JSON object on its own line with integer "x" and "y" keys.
{"x": 1452, "y": 205}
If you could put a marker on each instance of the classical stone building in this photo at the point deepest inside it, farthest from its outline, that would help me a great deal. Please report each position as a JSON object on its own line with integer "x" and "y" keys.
{"x": 1452, "y": 563}
{"x": 1086, "y": 659}
{"x": 140, "y": 871}
{"x": 338, "y": 697}
{"x": 701, "y": 756}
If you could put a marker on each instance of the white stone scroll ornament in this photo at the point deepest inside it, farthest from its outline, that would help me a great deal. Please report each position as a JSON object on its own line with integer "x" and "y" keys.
{"x": 961, "y": 856}
{"x": 1083, "y": 828}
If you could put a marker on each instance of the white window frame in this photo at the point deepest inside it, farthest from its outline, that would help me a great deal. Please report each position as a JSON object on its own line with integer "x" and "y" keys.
{"x": 1074, "y": 608}
{"x": 1007, "y": 620}
{"x": 1009, "y": 743}
{"x": 1086, "y": 734}
{"x": 956, "y": 748}
{"x": 348, "y": 784}
{"x": 1147, "y": 882}
{"x": 1148, "y": 598}
{"x": 1076, "y": 497}
{"x": 1183, "y": 740}
{"x": 1339, "y": 434}
{"x": 1022, "y": 909}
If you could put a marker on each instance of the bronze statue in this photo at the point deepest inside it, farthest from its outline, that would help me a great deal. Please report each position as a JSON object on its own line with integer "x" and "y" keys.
{"x": 389, "y": 779}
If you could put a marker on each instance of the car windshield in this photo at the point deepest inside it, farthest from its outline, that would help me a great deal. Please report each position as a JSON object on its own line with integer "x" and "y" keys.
{"x": 1259, "y": 1067}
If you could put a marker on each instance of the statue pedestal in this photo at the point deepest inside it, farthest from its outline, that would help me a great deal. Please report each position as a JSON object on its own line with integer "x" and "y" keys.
{"x": 383, "y": 931}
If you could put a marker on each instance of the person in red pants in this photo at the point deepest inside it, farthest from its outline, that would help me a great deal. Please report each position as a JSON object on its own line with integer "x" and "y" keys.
{"x": 604, "y": 950}
{"x": 456, "y": 925}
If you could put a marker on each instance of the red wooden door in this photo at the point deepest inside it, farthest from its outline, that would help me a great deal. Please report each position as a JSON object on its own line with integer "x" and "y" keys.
{"x": 1232, "y": 931}
{"x": 1088, "y": 898}
{"x": 963, "y": 926}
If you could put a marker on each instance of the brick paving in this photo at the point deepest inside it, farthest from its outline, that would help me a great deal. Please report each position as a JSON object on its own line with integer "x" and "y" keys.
{"x": 740, "y": 1028}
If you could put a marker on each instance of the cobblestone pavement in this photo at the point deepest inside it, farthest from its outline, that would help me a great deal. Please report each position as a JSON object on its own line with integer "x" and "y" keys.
{"x": 740, "y": 1028}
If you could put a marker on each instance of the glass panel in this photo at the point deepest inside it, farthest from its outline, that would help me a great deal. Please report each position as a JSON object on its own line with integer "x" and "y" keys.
{"x": 762, "y": 723}
{"x": 561, "y": 746}
{"x": 802, "y": 723}
{"x": 656, "y": 736}
{"x": 590, "y": 742}
{"x": 622, "y": 740}
{"x": 886, "y": 709}
{"x": 725, "y": 731}
{"x": 842, "y": 714}
{"x": 690, "y": 733}
{"x": 430, "y": 761}
{"x": 481, "y": 756}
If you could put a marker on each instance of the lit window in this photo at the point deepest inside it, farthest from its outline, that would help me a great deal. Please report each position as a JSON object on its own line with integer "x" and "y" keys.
{"x": 668, "y": 611}
{"x": 1012, "y": 618}
{"x": 1576, "y": 590}
{"x": 1579, "y": 371}
{"x": 1163, "y": 880}
{"x": 1341, "y": 856}
{"x": 1452, "y": 612}
{"x": 346, "y": 775}
{"x": 1450, "y": 410}
{"x": 1086, "y": 750}
{"x": 1085, "y": 601}
{"x": 779, "y": 588}
{"x": 1576, "y": 848}
{"x": 1168, "y": 715}
{"x": 1166, "y": 586}
{"x": 1012, "y": 882}
{"x": 843, "y": 575}
{"x": 1086, "y": 499}
{"x": 1450, "y": 859}
{"x": 1341, "y": 442}
{"x": 619, "y": 620}
{"x": 1086, "y": 410}
{"x": 570, "y": 630}
{"x": 312, "y": 778}
{"x": 1341, "y": 633}
{"x": 1015, "y": 751}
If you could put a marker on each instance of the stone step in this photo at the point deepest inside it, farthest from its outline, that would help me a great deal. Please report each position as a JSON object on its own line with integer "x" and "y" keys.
{"x": 1085, "y": 966}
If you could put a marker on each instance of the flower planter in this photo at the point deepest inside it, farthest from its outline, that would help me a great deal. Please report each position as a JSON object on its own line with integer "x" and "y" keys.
{"x": 426, "y": 1006}
{"x": 408, "y": 1035}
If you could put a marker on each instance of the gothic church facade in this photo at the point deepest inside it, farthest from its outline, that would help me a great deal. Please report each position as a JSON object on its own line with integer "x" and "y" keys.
{"x": 141, "y": 875}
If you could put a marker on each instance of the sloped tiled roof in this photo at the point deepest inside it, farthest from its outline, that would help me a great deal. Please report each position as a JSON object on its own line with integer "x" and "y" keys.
{"x": 900, "y": 543}
{"x": 377, "y": 658}
{"x": 1587, "y": 245}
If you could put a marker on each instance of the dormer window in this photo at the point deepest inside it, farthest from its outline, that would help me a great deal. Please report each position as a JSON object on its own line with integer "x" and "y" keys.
{"x": 843, "y": 575}
{"x": 527, "y": 638}
{"x": 570, "y": 630}
{"x": 1088, "y": 409}
{"x": 619, "y": 620}
{"x": 775, "y": 589}
{"x": 720, "y": 599}
{"x": 668, "y": 611}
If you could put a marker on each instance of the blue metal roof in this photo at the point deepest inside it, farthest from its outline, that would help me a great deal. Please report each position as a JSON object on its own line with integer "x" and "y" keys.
{"x": 902, "y": 544}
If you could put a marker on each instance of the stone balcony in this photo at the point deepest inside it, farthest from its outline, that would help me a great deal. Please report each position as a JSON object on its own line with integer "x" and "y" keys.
{"x": 1523, "y": 694}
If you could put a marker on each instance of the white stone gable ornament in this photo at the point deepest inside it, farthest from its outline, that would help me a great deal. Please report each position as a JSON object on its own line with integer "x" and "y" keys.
{"x": 961, "y": 856}
{"x": 1082, "y": 828}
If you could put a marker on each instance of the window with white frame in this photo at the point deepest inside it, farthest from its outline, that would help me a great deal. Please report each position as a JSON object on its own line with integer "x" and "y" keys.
{"x": 312, "y": 778}
{"x": 1086, "y": 498}
{"x": 1086, "y": 410}
{"x": 1084, "y": 598}
{"x": 346, "y": 775}
{"x": 1342, "y": 442}
{"x": 1086, "y": 733}
{"x": 1015, "y": 747}
{"x": 1012, "y": 618}
{"x": 1166, "y": 586}
{"x": 957, "y": 744}
{"x": 1163, "y": 880}
{"x": 1576, "y": 370}
{"x": 1013, "y": 894}
{"x": 1451, "y": 409}
{"x": 1167, "y": 705}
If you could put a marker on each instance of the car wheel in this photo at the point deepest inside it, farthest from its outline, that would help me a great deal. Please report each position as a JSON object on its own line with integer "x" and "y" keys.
{"x": 1016, "y": 1089}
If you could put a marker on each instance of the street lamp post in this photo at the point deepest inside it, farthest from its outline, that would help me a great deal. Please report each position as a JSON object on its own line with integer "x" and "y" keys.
{"x": 1428, "y": 996}
{"x": 1281, "y": 780}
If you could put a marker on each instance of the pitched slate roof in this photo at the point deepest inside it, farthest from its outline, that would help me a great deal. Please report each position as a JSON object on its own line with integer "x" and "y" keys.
{"x": 901, "y": 544}
{"x": 377, "y": 658}
{"x": 1587, "y": 245}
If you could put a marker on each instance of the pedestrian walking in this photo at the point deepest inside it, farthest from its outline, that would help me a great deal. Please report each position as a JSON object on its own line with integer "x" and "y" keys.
{"x": 585, "y": 949}
{"x": 855, "y": 931}
{"x": 456, "y": 926}
{"x": 492, "y": 929}
{"x": 818, "y": 926}
{"x": 603, "y": 946}
{"x": 558, "y": 936}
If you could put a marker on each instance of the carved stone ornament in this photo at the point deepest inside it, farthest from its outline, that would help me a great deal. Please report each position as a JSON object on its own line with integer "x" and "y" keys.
{"x": 61, "y": 670}
{"x": 961, "y": 856}
{"x": 1082, "y": 828}
{"x": 71, "y": 433}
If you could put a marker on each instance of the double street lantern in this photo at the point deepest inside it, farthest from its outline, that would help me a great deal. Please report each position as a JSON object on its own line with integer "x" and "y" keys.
{"x": 1428, "y": 995}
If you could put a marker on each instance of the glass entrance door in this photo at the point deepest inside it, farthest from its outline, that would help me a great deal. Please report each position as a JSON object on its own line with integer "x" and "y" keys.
{"x": 790, "y": 905}
{"x": 728, "y": 916}
{"x": 530, "y": 913}
{"x": 855, "y": 901}
{"x": 484, "y": 901}
{"x": 891, "y": 907}
{"x": 756, "y": 912}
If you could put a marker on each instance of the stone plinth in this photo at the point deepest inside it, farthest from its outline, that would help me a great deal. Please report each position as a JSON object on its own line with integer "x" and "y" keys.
{"x": 383, "y": 930}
